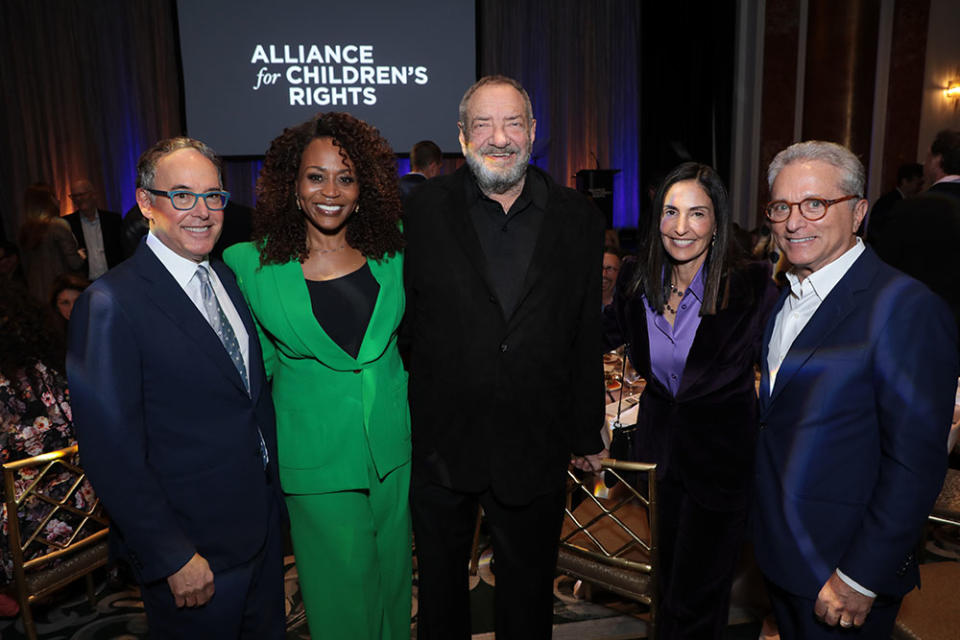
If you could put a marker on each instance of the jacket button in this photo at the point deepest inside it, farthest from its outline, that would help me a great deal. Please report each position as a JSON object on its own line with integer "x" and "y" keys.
{"x": 763, "y": 425}
{"x": 493, "y": 300}
{"x": 503, "y": 348}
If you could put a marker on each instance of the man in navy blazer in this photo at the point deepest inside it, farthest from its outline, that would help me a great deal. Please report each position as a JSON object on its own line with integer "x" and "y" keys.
{"x": 859, "y": 373}
{"x": 175, "y": 423}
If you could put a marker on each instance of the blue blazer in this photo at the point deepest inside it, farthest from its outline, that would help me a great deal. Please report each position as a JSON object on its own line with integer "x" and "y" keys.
{"x": 167, "y": 431}
{"x": 852, "y": 444}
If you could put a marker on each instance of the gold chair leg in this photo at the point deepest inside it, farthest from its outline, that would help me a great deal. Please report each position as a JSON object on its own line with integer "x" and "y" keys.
{"x": 29, "y": 628}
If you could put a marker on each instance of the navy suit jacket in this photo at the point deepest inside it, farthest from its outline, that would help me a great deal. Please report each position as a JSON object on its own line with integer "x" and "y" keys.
{"x": 852, "y": 444}
{"x": 167, "y": 431}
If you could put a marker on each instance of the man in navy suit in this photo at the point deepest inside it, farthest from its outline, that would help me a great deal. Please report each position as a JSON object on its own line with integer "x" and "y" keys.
{"x": 173, "y": 417}
{"x": 859, "y": 374}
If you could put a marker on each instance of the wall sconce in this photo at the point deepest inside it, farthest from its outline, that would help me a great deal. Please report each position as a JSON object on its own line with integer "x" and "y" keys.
{"x": 952, "y": 92}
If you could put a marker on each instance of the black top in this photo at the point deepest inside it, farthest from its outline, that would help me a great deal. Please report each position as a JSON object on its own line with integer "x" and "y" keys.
{"x": 508, "y": 239}
{"x": 343, "y": 306}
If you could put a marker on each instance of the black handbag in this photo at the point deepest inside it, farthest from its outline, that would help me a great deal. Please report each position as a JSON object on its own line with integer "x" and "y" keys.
{"x": 622, "y": 437}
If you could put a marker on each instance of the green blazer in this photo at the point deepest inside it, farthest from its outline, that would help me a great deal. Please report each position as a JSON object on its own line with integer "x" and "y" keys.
{"x": 334, "y": 412}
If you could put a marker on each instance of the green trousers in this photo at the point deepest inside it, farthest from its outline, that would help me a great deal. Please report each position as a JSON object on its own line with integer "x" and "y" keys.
{"x": 353, "y": 553}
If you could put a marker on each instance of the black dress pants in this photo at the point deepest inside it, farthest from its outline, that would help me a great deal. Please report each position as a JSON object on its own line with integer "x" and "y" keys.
{"x": 525, "y": 542}
{"x": 699, "y": 549}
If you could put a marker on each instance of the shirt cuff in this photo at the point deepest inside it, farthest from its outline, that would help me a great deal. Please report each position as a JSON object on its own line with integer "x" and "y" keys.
{"x": 856, "y": 586}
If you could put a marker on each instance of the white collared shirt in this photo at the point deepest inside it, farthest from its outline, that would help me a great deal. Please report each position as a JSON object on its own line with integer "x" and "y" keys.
{"x": 93, "y": 241}
{"x": 950, "y": 177}
{"x": 804, "y": 300}
{"x": 185, "y": 273}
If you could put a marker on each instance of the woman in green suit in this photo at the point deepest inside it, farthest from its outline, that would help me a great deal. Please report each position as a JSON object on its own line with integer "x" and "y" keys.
{"x": 323, "y": 277}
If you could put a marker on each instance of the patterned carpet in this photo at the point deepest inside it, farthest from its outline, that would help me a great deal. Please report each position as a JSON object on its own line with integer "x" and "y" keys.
{"x": 119, "y": 611}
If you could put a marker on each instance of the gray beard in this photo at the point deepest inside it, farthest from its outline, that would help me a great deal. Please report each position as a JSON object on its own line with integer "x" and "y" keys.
{"x": 497, "y": 182}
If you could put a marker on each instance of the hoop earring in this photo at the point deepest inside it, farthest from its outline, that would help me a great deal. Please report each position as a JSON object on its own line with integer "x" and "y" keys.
{"x": 299, "y": 208}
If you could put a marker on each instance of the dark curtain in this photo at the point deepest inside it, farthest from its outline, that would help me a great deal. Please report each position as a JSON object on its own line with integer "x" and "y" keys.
{"x": 687, "y": 66}
{"x": 87, "y": 86}
{"x": 578, "y": 60}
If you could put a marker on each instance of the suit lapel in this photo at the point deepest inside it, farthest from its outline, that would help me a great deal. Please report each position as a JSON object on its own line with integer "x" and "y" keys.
{"x": 295, "y": 300}
{"x": 765, "y": 350}
{"x": 839, "y": 303}
{"x": 457, "y": 216}
{"x": 174, "y": 303}
{"x": 637, "y": 317}
{"x": 256, "y": 357}
{"x": 386, "y": 312}
{"x": 714, "y": 330}
{"x": 548, "y": 242}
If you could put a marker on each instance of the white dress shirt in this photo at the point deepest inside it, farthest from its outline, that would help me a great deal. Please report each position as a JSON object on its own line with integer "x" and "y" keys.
{"x": 93, "y": 240}
{"x": 185, "y": 273}
{"x": 805, "y": 298}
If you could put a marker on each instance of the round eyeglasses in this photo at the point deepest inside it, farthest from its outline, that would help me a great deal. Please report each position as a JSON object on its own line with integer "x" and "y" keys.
{"x": 183, "y": 200}
{"x": 810, "y": 208}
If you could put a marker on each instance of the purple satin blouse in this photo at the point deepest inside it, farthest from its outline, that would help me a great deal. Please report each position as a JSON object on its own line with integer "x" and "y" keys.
{"x": 670, "y": 345}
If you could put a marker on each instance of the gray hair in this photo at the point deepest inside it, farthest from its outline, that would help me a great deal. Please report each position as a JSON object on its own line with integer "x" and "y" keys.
{"x": 147, "y": 164}
{"x": 487, "y": 80}
{"x": 853, "y": 178}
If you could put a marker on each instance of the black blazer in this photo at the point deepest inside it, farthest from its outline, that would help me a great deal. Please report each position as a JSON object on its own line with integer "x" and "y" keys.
{"x": 921, "y": 239}
{"x": 111, "y": 226}
{"x": 705, "y": 436}
{"x": 409, "y": 181}
{"x": 166, "y": 428}
{"x": 501, "y": 402}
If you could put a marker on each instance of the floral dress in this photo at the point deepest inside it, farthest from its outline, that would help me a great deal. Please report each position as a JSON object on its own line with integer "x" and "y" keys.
{"x": 35, "y": 418}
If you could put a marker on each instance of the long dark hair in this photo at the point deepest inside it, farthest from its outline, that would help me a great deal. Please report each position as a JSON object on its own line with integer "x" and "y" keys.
{"x": 653, "y": 277}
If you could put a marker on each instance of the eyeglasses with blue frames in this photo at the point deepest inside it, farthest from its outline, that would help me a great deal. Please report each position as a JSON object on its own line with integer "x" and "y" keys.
{"x": 810, "y": 208}
{"x": 183, "y": 200}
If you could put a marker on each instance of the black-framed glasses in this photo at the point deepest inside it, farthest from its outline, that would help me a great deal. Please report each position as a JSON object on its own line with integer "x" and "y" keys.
{"x": 810, "y": 208}
{"x": 183, "y": 200}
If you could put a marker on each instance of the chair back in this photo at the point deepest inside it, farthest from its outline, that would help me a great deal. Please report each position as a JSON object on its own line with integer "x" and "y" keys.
{"x": 65, "y": 536}
{"x": 612, "y": 541}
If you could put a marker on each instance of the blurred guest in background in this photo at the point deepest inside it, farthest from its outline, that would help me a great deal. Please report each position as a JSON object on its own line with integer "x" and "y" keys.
{"x": 923, "y": 233}
{"x": 692, "y": 316}
{"x": 97, "y": 232}
{"x": 35, "y": 414}
{"x": 323, "y": 278}
{"x": 10, "y": 267}
{"x": 426, "y": 161}
{"x": 47, "y": 246}
{"x": 909, "y": 184}
{"x": 609, "y": 273}
{"x": 66, "y": 289}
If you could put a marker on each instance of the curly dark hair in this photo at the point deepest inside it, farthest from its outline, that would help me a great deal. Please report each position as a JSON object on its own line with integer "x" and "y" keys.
{"x": 279, "y": 228}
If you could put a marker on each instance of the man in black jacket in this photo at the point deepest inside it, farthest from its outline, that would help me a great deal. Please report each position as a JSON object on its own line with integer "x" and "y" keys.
{"x": 502, "y": 335}
{"x": 923, "y": 233}
{"x": 98, "y": 232}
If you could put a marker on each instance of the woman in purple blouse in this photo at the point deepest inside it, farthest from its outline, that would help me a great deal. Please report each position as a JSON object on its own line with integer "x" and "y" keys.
{"x": 693, "y": 316}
